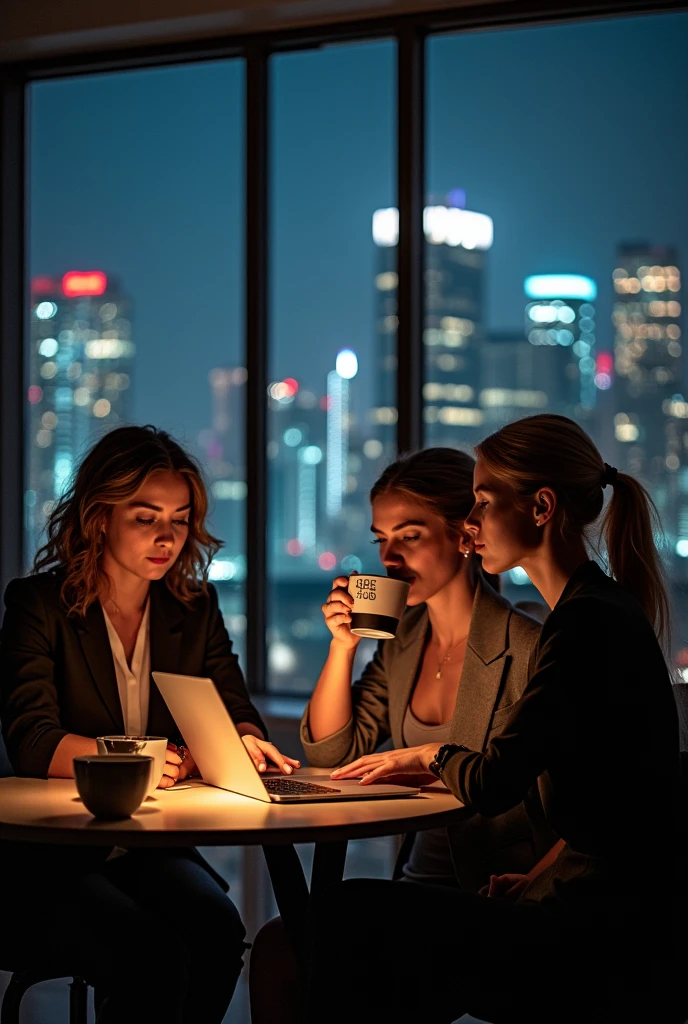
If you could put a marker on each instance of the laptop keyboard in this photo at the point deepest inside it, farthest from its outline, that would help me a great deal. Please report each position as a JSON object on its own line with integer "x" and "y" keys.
{"x": 290, "y": 787}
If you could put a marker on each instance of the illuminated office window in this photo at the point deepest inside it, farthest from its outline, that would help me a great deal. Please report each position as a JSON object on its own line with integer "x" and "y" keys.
{"x": 332, "y": 352}
{"x": 553, "y": 264}
{"x": 136, "y": 271}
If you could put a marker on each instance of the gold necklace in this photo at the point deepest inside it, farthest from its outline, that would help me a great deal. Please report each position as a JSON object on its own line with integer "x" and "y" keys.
{"x": 440, "y": 664}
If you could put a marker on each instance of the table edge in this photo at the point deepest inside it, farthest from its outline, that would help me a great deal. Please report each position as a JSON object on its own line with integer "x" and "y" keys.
{"x": 98, "y": 836}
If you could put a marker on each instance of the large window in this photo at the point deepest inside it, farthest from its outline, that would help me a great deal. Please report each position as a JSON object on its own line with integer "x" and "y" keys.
{"x": 556, "y": 237}
{"x": 333, "y": 353}
{"x": 555, "y": 242}
{"x": 136, "y": 276}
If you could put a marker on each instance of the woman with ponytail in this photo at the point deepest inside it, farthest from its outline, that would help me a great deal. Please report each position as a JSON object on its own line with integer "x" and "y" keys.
{"x": 458, "y": 661}
{"x": 595, "y": 729}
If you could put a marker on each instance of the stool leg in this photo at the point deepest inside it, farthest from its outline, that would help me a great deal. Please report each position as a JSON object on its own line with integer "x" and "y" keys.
{"x": 78, "y": 1002}
{"x": 14, "y": 993}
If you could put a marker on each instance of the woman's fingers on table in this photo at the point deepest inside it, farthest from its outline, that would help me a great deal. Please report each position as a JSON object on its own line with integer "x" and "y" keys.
{"x": 359, "y": 767}
{"x": 393, "y": 773}
{"x": 262, "y": 752}
{"x": 407, "y": 761}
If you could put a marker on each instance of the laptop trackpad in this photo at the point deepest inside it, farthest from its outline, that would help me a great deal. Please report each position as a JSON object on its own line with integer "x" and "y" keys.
{"x": 354, "y": 784}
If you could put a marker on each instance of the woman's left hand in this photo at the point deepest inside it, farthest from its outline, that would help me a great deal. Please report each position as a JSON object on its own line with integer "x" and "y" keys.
{"x": 261, "y": 752}
{"x": 408, "y": 766}
{"x": 188, "y": 766}
{"x": 172, "y": 769}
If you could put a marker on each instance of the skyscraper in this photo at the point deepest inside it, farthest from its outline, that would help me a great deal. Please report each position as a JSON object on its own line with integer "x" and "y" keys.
{"x": 456, "y": 241}
{"x": 650, "y": 422}
{"x": 298, "y": 477}
{"x": 80, "y": 373}
{"x": 560, "y": 324}
{"x": 223, "y": 443}
{"x": 512, "y": 382}
{"x": 648, "y": 357}
{"x": 222, "y": 449}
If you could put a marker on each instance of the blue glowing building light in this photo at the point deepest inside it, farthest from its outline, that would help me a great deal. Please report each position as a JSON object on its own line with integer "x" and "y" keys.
{"x": 560, "y": 286}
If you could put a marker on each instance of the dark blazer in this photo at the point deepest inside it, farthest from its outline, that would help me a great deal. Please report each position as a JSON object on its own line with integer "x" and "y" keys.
{"x": 494, "y": 675}
{"x": 57, "y": 674}
{"x": 597, "y": 727}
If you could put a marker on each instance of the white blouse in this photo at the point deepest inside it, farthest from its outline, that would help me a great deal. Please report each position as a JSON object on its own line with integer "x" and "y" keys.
{"x": 133, "y": 683}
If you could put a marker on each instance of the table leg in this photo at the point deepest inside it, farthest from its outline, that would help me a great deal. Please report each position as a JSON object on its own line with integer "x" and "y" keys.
{"x": 290, "y": 888}
{"x": 291, "y": 894}
{"x": 328, "y": 865}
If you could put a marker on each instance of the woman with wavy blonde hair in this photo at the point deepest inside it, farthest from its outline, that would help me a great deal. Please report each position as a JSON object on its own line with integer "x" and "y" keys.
{"x": 591, "y": 933}
{"x": 120, "y": 589}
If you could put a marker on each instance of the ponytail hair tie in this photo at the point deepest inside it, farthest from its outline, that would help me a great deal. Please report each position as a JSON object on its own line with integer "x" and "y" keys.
{"x": 609, "y": 476}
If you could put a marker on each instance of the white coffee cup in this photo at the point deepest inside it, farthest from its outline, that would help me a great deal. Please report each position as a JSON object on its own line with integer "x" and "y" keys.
{"x": 379, "y": 603}
{"x": 150, "y": 746}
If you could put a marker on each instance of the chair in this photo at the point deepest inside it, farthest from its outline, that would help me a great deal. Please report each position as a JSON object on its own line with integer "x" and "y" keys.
{"x": 23, "y": 979}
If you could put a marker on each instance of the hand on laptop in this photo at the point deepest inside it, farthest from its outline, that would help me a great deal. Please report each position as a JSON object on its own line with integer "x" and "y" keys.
{"x": 262, "y": 752}
{"x": 408, "y": 766}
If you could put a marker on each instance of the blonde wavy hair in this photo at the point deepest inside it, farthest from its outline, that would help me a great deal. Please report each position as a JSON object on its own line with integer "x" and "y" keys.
{"x": 113, "y": 471}
{"x": 554, "y": 451}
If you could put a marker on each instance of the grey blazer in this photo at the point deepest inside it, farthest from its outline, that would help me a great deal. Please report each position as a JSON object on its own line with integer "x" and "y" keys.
{"x": 494, "y": 676}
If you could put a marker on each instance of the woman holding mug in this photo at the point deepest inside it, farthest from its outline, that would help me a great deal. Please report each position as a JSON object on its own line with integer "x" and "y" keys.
{"x": 458, "y": 660}
{"x": 457, "y": 664}
{"x": 591, "y": 936}
{"x": 121, "y": 589}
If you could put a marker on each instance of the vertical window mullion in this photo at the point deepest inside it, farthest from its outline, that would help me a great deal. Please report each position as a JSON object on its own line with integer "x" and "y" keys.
{"x": 410, "y": 255}
{"x": 256, "y": 363}
{"x": 12, "y": 294}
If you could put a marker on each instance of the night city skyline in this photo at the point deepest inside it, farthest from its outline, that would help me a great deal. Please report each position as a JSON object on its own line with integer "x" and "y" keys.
{"x": 148, "y": 185}
{"x": 544, "y": 133}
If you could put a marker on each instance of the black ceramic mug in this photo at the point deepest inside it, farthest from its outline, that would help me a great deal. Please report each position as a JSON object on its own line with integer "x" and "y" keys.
{"x": 112, "y": 785}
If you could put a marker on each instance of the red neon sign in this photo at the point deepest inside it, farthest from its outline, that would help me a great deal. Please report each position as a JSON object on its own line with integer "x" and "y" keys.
{"x": 77, "y": 282}
{"x": 43, "y": 286}
{"x": 605, "y": 362}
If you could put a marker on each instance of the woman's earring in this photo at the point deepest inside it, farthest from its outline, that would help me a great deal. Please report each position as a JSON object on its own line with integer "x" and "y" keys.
{"x": 466, "y": 554}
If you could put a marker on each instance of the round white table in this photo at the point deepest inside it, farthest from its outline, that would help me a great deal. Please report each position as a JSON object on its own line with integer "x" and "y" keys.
{"x": 50, "y": 811}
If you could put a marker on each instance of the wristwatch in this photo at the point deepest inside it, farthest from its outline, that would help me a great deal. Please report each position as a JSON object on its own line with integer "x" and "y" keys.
{"x": 447, "y": 750}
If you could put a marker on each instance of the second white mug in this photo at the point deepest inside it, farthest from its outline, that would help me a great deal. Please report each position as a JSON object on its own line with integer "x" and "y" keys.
{"x": 151, "y": 746}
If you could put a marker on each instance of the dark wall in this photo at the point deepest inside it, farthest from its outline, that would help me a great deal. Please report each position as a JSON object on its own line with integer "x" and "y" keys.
{"x": 36, "y": 28}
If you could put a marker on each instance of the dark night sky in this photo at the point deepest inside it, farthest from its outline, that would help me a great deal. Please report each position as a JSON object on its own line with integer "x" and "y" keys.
{"x": 571, "y": 138}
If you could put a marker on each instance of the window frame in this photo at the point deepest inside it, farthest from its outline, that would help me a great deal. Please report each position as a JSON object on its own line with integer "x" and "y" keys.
{"x": 409, "y": 32}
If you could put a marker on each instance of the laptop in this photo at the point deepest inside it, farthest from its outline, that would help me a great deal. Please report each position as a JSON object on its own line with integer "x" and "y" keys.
{"x": 224, "y": 761}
